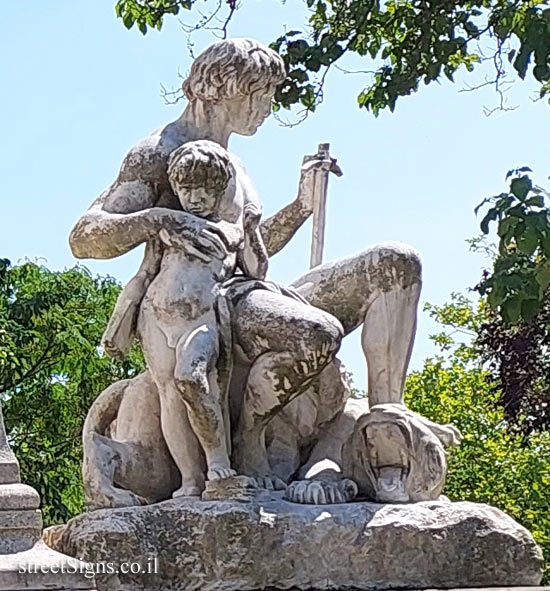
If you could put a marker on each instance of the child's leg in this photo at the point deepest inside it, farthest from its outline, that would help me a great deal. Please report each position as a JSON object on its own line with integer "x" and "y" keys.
{"x": 196, "y": 379}
{"x": 176, "y": 428}
{"x": 181, "y": 441}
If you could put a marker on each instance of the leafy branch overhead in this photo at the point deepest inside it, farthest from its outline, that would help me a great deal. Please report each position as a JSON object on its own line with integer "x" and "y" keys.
{"x": 402, "y": 43}
{"x": 519, "y": 281}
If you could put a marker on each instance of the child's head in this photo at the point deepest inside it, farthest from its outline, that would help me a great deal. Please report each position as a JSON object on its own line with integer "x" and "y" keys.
{"x": 199, "y": 173}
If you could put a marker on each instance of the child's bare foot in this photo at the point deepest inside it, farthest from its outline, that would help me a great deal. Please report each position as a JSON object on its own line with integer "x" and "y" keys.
{"x": 188, "y": 489}
{"x": 217, "y": 472}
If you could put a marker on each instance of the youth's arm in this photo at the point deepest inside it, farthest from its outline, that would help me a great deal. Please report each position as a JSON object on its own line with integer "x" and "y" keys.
{"x": 281, "y": 227}
{"x": 252, "y": 257}
{"x": 125, "y": 215}
{"x": 278, "y": 229}
{"x": 122, "y": 216}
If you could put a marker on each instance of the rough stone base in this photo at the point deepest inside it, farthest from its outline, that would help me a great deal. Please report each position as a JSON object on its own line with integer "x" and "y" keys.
{"x": 40, "y": 568}
{"x": 270, "y": 543}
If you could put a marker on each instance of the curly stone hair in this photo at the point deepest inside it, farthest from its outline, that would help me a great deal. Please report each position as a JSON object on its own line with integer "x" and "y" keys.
{"x": 200, "y": 164}
{"x": 231, "y": 68}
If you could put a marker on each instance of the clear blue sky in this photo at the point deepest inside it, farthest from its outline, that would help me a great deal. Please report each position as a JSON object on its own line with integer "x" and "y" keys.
{"x": 80, "y": 90}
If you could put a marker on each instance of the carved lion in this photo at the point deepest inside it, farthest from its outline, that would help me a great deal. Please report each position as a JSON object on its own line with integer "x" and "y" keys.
{"x": 385, "y": 454}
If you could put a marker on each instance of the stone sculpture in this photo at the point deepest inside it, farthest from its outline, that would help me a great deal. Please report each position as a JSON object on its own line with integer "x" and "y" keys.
{"x": 244, "y": 395}
{"x": 384, "y": 453}
{"x": 178, "y": 325}
{"x": 395, "y": 457}
{"x": 283, "y": 338}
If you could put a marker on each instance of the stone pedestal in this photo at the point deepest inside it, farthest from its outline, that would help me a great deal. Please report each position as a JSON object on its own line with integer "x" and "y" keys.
{"x": 25, "y": 561}
{"x": 273, "y": 544}
{"x": 43, "y": 568}
{"x": 20, "y": 518}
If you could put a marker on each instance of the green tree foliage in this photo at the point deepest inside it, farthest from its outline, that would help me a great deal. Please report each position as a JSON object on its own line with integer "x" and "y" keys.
{"x": 515, "y": 340}
{"x": 518, "y": 357}
{"x": 401, "y": 42}
{"x": 495, "y": 463}
{"x": 518, "y": 283}
{"x": 148, "y": 13}
{"x": 51, "y": 369}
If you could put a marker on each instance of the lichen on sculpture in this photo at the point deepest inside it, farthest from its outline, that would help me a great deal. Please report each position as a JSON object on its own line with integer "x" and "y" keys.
{"x": 395, "y": 457}
{"x": 283, "y": 339}
{"x": 242, "y": 429}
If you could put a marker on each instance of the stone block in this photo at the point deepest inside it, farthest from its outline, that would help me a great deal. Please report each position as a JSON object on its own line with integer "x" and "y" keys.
{"x": 271, "y": 543}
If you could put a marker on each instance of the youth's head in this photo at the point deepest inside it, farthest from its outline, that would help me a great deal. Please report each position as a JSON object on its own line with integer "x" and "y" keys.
{"x": 241, "y": 76}
{"x": 199, "y": 173}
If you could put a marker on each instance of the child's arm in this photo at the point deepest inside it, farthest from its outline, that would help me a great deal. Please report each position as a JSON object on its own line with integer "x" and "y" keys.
{"x": 217, "y": 240}
{"x": 253, "y": 258}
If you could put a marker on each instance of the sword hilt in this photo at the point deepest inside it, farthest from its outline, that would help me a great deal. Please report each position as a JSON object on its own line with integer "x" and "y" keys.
{"x": 323, "y": 153}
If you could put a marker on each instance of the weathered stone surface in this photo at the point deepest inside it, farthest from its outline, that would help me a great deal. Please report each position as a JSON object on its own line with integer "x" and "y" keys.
{"x": 19, "y": 530}
{"x": 18, "y": 496}
{"x": 9, "y": 466}
{"x": 20, "y": 518}
{"x": 43, "y": 568}
{"x": 237, "y": 488}
{"x": 238, "y": 378}
{"x": 280, "y": 545}
{"x": 383, "y": 453}
{"x": 145, "y": 438}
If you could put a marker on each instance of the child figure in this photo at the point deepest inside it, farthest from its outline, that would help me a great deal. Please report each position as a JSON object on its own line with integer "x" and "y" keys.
{"x": 178, "y": 325}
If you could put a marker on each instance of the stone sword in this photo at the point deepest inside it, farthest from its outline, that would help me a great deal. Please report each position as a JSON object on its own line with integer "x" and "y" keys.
{"x": 319, "y": 201}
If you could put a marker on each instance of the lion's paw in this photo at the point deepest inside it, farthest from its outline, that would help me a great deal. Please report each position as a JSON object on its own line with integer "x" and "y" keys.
{"x": 319, "y": 492}
{"x": 269, "y": 482}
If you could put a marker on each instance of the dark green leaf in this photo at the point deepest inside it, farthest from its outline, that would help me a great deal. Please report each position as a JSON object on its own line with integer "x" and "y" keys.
{"x": 543, "y": 275}
{"x": 535, "y": 201}
{"x": 511, "y": 309}
{"x": 529, "y": 309}
{"x": 521, "y": 186}
{"x": 490, "y": 216}
{"x": 528, "y": 241}
{"x": 521, "y": 63}
{"x": 541, "y": 72}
